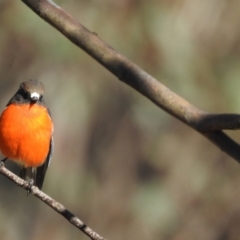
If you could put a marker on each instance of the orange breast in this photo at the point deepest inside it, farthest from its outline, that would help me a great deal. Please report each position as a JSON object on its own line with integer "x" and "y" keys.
{"x": 25, "y": 134}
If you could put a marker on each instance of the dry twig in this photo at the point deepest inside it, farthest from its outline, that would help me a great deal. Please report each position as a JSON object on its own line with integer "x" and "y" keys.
{"x": 210, "y": 125}
{"x": 58, "y": 207}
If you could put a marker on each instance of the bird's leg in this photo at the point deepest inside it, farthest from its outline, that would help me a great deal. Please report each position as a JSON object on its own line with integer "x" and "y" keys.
{"x": 29, "y": 188}
{"x": 2, "y": 162}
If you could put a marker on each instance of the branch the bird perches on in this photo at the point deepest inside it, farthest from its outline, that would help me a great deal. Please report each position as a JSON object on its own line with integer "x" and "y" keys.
{"x": 58, "y": 207}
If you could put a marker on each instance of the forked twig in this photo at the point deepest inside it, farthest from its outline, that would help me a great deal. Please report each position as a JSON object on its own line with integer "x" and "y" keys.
{"x": 209, "y": 125}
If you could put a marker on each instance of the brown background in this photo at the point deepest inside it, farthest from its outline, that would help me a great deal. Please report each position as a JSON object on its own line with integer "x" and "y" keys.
{"x": 125, "y": 167}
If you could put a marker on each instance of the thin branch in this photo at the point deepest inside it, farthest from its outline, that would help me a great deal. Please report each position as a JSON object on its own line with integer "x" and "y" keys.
{"x": 134, "y": 76}
{"x": 58, "y": 207}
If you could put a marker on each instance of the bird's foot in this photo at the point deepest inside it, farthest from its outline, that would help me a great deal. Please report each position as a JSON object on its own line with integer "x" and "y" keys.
{"x": 2, "y": 162}
{"x": 29, "y": 188}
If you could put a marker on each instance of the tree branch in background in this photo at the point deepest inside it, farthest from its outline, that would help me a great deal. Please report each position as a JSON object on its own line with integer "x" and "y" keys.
{"x": 51, "y": 203}
{"x": 209, "y": 125}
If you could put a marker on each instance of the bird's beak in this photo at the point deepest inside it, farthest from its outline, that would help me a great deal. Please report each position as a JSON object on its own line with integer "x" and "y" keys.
{"x": 34, "y": 96}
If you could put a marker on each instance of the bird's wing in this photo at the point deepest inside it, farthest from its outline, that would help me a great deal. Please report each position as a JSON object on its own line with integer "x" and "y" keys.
{"x": 41, "y": 171}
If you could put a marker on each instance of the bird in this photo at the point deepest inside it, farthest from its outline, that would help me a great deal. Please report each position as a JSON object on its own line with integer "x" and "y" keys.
{"x": 26, "y": 132}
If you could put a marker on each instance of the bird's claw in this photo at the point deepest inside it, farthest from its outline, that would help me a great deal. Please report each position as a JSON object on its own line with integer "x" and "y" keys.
{"x": 2, "y": 162}
{"x": 29, "y": 188}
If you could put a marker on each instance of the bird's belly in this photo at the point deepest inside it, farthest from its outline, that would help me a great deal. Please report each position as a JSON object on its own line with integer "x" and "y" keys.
{"x": 25, "y": 134}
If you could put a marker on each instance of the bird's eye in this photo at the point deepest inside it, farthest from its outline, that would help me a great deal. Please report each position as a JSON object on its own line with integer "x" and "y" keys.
{"x": 24, "y": 93}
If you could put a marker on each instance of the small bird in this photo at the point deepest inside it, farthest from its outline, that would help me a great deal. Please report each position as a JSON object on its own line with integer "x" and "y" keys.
{"x": 26, "y": 130}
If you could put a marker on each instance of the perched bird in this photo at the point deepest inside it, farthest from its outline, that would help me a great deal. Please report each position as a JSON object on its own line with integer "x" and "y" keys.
{"x": 26, "y": 131}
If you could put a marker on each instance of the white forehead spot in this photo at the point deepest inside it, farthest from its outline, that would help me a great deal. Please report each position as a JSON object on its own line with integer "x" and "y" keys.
{"x": 35, "y": 95}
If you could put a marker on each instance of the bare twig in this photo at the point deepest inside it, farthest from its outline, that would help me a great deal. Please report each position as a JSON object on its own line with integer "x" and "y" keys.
{"x": 210, "y": 125}
{"x": 52, "y": 203}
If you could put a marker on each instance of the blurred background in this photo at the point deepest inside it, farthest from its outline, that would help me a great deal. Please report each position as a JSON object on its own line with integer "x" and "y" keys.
{"x": 122, "y": 165}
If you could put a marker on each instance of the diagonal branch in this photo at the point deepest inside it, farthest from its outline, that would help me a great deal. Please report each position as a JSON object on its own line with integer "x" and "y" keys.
{"x": 58, "y": 207}
{"x": 210, "y": 125}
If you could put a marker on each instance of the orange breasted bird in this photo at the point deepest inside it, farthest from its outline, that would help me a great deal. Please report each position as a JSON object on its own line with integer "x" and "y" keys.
{"x": 26, "y": 131}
